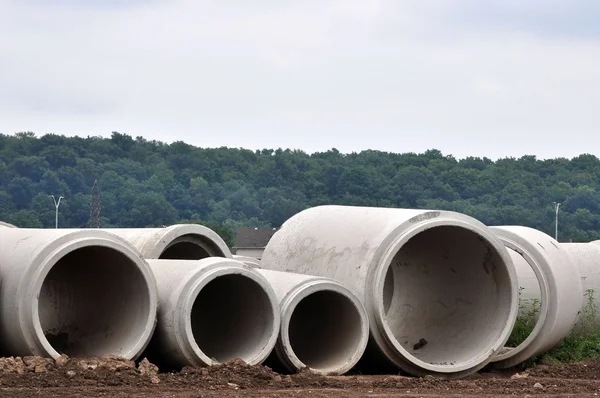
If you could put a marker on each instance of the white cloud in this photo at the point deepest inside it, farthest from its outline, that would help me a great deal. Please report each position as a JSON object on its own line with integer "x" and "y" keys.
{"x": 350, "y": 74}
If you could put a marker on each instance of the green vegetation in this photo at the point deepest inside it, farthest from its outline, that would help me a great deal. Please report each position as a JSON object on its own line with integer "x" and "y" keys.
{"x": 584, "y": 343}
{"x": 528, "y": 313}
{"x": 148, "y": 183}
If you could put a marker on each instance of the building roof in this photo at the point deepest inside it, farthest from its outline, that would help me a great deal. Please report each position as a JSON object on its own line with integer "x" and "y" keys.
{"x": 247, "y": 237}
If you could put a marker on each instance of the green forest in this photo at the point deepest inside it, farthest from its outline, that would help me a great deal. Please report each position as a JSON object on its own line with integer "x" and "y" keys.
{"x": 150, "y": 183}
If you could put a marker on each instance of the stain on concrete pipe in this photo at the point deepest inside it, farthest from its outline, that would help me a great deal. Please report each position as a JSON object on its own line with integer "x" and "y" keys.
{"x": 5, "y": 224}
{"x": 560, "y": 291}
{"x": 211, "y": 311}
{"x": 324, "y": 326}
{"x": 249, "y": 261}
{"x": 586, "y": 258}
{"x": 176, "y": 242}
{"x": 81, "y": 293}
{"x": 439, "y": 287}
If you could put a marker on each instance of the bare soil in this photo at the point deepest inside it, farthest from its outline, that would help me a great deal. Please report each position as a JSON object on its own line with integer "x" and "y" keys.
{"x": 114, "y": 377}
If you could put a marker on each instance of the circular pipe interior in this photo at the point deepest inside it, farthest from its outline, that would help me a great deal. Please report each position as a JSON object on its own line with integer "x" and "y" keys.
{"x": 232, "y": 317}
{"x": 188, "y": 247}
{"x": 94, "y": 301}
{"x": 447, "y": 296}
{"x": 325, "y": 330}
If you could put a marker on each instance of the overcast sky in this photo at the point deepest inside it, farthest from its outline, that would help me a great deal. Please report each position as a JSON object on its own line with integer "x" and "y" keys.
{"x": 489, "y": 78}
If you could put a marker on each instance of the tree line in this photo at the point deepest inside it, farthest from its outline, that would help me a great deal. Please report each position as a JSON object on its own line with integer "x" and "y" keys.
{"x": 150, "y": 183}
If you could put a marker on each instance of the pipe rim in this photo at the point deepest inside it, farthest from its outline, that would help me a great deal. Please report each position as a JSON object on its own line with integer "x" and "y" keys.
{"x": 189, "y": 293}
{"x": 545, "y": 280}
{"x": 562, "y": 311}
{"x": 289, "y": 358}
{"x": 397, "y": 353}
{"x": 190, "y": 233}
{"x": 54, "y": 252}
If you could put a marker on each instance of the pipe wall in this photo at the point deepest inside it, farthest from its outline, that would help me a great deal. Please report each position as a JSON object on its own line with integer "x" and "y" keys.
{"x": 586, "y": 258}
{"x": 440, "y": 289}
{"x": 560, "y": 291}
{"x": 81, "y": 293}
{"x": 211, "y": 311}
{"x": 324, "y": 326}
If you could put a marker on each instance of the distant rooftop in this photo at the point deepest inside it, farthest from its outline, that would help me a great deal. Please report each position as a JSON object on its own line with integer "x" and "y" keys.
{"x": 247, "y": 237}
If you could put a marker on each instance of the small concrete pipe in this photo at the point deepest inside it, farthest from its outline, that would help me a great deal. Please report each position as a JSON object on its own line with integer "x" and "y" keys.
{"x": 559, "y": 286}
{"x": 176, "y": 242}
{"x": 324, "y": 326}
{"x": 439, "y": 287}
{"x": 81, "y": 293}
{"x": 211, "y": 311}
{"x": 249, "y": 261}
{"x": 586, "y": 258}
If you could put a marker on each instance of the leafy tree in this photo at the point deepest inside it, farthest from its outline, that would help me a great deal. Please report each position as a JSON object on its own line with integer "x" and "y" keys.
{"x": 150, "y": 183}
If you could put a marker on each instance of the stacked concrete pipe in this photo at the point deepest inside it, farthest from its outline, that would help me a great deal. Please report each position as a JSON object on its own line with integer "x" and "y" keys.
{"x": 211, "y": 311}
{"x": 439, "y": 287}
{"x": 556, "y": 285}
{"x": 176, "y": 242}
{"x": 324, "y": 326}
{"x": 77, "y": 292}
{"x": 586, "y": 258}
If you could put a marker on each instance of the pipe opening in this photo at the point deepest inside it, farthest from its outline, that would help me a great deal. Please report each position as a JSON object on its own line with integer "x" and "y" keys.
{"x": 325, "y": 330}
{"x": 530, "y": 302}
{"x": 188, "y": 247}
{"x": 94, "y": 301}
{"x": 232, "y": 317}
{"x": 447, "y": 296}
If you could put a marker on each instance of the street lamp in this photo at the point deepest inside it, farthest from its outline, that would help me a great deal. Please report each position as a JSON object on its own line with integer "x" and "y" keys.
{"x": 56, "y": 204}
{"x": 556, "y": 206}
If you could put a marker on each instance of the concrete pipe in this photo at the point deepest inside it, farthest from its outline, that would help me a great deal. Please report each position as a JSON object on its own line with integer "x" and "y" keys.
{"x": 211, "y": 311}
{"x": 559, "y": 291}
{"x": 81, "y": 293}
{"x": 5, "y": 224}
{"x": 439, "y": 287}
{"x": 249, "y": 261}
{"x": 586, "y": 258}
{"x": 324, "y": 326}
{"x": 177, "y": 242}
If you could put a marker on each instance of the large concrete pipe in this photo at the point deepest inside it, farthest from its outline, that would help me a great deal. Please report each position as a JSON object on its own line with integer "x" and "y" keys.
{"x": 439, "y": 287}
{"x": 249, "y": 261}
{"x": 176, "y": 242}
{"x": 5, "y": 224}
{"x": 559, "y": 289}
{"x": 81, "y": 293}
{"x": 586, "y": 258}
{"x": 211, "y": 311}
{"x": 324, "y": 326}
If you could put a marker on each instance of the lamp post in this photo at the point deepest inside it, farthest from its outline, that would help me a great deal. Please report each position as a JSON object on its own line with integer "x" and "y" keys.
{"x": 556, "y": 207}
{"x": 56, "y": 204}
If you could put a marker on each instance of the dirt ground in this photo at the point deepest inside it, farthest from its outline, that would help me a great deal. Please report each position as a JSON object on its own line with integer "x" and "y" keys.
{"x": 113, "y": 377}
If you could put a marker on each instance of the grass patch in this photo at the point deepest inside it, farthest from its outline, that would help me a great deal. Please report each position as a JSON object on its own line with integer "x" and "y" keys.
{"x": 528, "y": 315}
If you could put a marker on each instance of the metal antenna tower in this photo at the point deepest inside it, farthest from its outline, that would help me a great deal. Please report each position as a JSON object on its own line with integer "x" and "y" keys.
{"x": 95, "y": 207}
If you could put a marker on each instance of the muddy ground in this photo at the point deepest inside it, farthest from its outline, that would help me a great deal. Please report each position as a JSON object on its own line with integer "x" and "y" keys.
{"x": 113, "y": 377}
